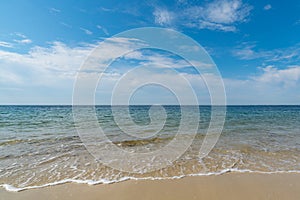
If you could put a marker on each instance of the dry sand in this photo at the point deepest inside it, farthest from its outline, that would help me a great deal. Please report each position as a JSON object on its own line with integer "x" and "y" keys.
{"x": 228, "y": 186}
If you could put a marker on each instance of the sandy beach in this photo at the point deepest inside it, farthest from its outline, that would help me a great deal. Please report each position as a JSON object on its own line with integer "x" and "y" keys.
{"x": 226, "y": 186}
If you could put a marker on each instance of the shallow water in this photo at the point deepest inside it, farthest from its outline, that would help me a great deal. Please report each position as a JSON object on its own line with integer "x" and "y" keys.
{"x": 39, "y": 145}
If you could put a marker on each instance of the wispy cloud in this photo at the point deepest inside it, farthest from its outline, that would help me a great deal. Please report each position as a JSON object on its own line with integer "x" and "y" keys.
{"x": 249, "y": 51}
{"x": 226, "y": 11}
{"x": 54, "y": 10}
{"x": 9, "y": 77}
{"x": 24, "y": 41}
{"x": 297, "y": 22}
{"x": 41, "y": 65}
{"x": 285, "y": 77}
{"x": 246, "y": 51}
{"x": 267, "y": 7}
{"x": 21, "y": 35}
{"x": 211, "y": 26}
{"x": 57, "y": 62}
{"x": 270, "y": 86}
{"x": 107, "y": 9}
{"x": 66, "y": 25}
{"x": 103, "y": 29}
{"x": 131, "y": 8}
{"x": 5, "y": 44}
{"x": 163, "y": 16}
{"x": 56, "y": 67}
{"x": 160, "y": 60}
{"x": 86, "y": 31}
{"x": 221, "y": 15}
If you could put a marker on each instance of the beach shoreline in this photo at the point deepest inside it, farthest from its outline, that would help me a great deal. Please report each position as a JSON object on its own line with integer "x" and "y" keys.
{"x": 226, "y": 186}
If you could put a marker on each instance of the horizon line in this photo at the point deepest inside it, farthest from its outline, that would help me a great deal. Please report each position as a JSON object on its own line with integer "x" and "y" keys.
{"x": 150, "y": 105}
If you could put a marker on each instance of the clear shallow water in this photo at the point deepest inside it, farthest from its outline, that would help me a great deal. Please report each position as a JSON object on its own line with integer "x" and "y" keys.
{"x": 39, "y": 145}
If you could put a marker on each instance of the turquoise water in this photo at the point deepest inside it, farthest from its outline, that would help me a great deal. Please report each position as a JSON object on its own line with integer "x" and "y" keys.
{"x": 39, "y": 145}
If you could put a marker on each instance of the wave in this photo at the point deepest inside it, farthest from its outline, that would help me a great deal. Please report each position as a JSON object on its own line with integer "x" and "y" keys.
{"x": 40, "y": 140}
{"x": 132, "y": 143}
{"x": 12, "y": 188}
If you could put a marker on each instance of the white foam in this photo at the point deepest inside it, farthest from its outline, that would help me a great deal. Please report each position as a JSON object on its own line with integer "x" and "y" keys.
{"x": 12, "y": 188}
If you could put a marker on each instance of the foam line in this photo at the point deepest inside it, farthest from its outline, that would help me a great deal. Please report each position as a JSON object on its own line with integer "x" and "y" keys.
{"x": 12, "y": 188}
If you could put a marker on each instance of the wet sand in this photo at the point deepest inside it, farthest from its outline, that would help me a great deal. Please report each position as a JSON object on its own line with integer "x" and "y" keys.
{"x": 226, "y": 186}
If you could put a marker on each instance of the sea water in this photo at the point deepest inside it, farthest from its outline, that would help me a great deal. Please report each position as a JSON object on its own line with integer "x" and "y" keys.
{"x": 40, "y": 145}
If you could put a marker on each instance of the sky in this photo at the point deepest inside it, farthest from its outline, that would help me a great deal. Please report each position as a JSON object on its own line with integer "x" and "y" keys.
{"x": 254, "y": 44}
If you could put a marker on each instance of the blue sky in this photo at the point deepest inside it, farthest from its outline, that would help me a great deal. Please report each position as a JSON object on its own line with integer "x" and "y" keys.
{"x": 255, "y": 45}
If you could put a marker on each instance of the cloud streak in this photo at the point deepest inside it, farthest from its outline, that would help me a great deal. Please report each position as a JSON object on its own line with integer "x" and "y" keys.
{"x": 5, "y": 44}
{"x": 54, "y": 10}
{"x": 103, "y": 29}
{"x": 86, "y": 31}
{"x": 268, "y": 7}
{"x": 24, "y": 41}
{"x": 20, "y": 39}
{"x": 248, "y": 51}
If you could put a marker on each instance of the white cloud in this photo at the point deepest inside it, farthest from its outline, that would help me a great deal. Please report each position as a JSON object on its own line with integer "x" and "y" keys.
{"x": 272, "y": 86}
{"x": 20, "y": 38}
{"x": 156, "y": 59}
{"x": 43, "y": 66}
{"x": 163, "y": 61}
{"x": 107, "y": 9}
{"x": 21, "y": 35}
{"x": 56, "y": 67}
{"x": 147, "y": 77}
{"x": 59, "y": 62}
{"x": 8, "y": 77}
{"x": 163, "y": 16}
{"x": 284, "y": 77}
{"x": 86, "y": 31}
{"x": 226, "y": 11}
{"x": 221, "y": 15}
{"x": 267, "y": 7}
{"x": 212, "y": 26}
{"x": 66, "y": 25}
{"x": 54, "y": 10}
{"x": 247, "y": 51}
{"x": 24, "y": 41}
{"x": 103, "y": 29}
{"x": 5, "y": 44}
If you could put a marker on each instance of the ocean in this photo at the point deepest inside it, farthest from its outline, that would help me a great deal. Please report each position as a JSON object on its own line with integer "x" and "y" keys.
{"x": 40, "y": 145}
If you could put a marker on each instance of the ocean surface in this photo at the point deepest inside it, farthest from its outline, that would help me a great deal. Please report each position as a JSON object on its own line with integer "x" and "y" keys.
{"x": 40, "y": 146}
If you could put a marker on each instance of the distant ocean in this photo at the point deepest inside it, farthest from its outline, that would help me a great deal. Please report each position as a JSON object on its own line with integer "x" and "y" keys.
{"x": 39, "y": 145}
